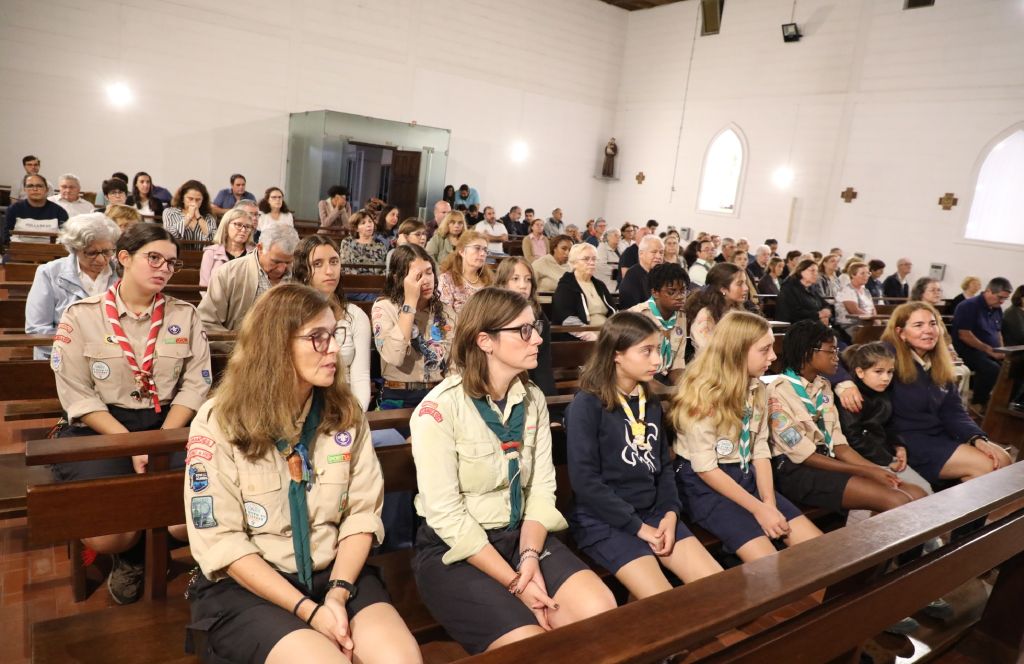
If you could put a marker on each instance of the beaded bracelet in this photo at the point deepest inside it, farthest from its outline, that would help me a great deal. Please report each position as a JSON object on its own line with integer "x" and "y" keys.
{"x": 528, "y": 549}
{"x": 524, "y": 557}
{"x": 513, "y": 583}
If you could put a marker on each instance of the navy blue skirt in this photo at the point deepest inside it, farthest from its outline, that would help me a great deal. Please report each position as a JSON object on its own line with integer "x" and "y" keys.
{"x": 718, "y": 515}
{"x": 613, "y": 548}
{"x": 928, "y": 454}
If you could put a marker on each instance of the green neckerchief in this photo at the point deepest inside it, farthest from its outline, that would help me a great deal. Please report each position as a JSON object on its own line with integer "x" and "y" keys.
{"x": 814, "y": 408}
{"x": 511, "y": 437}
{"x": 297, "y": 489}
{"x": 666, "y": 342}
{"x": 745, "y": 452}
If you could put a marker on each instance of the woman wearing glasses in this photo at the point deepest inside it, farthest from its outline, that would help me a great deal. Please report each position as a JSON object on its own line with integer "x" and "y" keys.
{"x": 129, "y": 359}
{"x": 580, "y": 299}
{"x": 233, "y": 240}
{"x": 89, "y": 239}
{"x": 273, "y": 209}
{"x": 464, "y": 271}
{"x": 283, "y": 494}
{"x": 481, "y": 441}
{"x": 318, "y": 265}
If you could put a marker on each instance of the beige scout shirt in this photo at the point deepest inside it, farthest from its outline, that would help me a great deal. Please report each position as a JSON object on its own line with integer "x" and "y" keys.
{"x": 91, "y": 371}
{"x": 403, "y": 360}
{"x": 232, "y": 292}
{"x": 676, "y": 336}
{"x": 463, "y": 474}
{"x": 794, "y": 433}
{"x": 235, "y": 507}
{"x": 699, "y": 444}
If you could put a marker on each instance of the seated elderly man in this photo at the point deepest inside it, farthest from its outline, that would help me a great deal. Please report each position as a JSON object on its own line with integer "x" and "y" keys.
{"x": 759, "y": 263}
{"x": 636, "y": 285}
{"x": 70, "y": 196}
{"x": 977, "y": 332}
{"x": 235, "y": 286}
{"x": 84, "y": 272}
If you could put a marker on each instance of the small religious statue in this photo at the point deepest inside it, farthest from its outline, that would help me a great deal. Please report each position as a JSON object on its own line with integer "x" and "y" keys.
{"x": 610, "y": 150}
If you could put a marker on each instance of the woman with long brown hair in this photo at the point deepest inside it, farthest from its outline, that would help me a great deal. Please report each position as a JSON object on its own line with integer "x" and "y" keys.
{"x": 318, "y": 264}
{"x": 482, "y": 445}
{"x": 284, "y": 493}
{"x": 465, "y": 271}
{"x": 943, "y": 442}
{"x": 725, "y": 290}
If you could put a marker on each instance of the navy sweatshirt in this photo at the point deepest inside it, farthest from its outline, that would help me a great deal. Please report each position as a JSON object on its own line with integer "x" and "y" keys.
{"x": 611, "y": 479}
{"x": 871, "y": 431}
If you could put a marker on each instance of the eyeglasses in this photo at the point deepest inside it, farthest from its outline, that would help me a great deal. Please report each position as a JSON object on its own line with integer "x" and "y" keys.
{"x": 239, "y": 226}
{"x": 93, "y": 255}
{"x": 525, "y": 330}
{"x": 156, "y": 261}
{"x": 830, "y": 351}
{"x": 321, "y": 339}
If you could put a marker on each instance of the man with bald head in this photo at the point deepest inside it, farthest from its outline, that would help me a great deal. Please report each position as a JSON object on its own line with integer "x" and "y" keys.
{"x": 636, "y": 285}
{"x": 441, "y": 208}
{"x": 898, "y": 284}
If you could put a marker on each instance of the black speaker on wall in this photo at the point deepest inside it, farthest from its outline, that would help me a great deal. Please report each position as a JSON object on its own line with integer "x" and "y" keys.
{"x": 711, "y": 16}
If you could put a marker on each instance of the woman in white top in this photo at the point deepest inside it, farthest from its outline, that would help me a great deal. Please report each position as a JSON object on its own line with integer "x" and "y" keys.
{"x": 853, "y": 302}
{"x": 142, "y": 197}
{"x": 608, "y": 254}
{"x": 318, "y": 265}
{"x": 273, "y": 208}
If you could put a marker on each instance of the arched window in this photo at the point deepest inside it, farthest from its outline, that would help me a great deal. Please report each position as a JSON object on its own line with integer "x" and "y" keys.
{"x": 722, "y": 173}
{"x": 997, "y": 207}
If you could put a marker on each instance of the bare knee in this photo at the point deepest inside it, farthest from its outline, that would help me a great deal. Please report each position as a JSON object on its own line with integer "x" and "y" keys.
{"x": 112, "y": 543}
{"x": 518, "y": 634}
{"x": 306, "y": 645}
{"x": 893, "y": 499}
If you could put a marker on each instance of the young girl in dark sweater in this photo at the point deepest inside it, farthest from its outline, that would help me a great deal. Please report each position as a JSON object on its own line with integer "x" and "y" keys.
{"x": 626, "y": 506}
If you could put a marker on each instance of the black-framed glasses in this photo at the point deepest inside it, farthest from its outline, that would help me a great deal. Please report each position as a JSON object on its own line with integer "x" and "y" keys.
{"x": 93, "y": 255}
{"x": 832, "y": 351}
{"x": 524, "y": 330}
{"x": 238, "y": 226}
{"x": 321, "y": 339}
{"x": 157, "y": 261}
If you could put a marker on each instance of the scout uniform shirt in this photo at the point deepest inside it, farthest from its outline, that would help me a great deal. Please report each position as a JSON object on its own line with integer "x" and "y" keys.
{"x": 704, "y": 447}
{"x": 676, "y": 336}
{"x": 794, "y": 431}
{"x": 463, "y": 474}
{"x": 235, "y": 507}
{"x": 91, "y": 370}
{"x": 424, "y": 359}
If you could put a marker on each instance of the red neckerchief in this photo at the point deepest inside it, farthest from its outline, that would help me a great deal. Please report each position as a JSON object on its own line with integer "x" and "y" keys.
{"x": 143, "y": 375}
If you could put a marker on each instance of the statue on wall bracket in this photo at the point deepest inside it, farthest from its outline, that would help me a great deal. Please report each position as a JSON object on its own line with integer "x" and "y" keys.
{"x": 610, "y": 151}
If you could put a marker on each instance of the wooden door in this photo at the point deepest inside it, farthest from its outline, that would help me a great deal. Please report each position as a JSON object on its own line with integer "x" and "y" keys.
{"x": 405, "y": 182}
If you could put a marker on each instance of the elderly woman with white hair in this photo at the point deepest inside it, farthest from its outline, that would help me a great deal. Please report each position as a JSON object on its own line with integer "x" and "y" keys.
{"x": 608, "y": 254}
{"x": 579, "y": 298}
{"x": 85, "y": 271}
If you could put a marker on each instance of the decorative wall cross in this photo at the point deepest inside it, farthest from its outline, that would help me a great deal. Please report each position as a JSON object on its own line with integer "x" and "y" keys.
{"x": 948, "y": 201}
{"x": 640, "y": 177}
{"x": 848, "y": 194}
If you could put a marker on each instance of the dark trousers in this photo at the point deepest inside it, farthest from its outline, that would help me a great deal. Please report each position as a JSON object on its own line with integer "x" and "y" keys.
{"x": 986, "y": 371}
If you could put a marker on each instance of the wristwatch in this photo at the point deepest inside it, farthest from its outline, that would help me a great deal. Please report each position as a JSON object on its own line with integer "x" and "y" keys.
{"x": 406, "y": 309}
{"x": 341, "y": 583}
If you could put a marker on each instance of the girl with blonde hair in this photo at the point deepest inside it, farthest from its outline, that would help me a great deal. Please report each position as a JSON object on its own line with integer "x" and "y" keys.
{"x": 723, "y": 465}
{"x": 448, "y": 232}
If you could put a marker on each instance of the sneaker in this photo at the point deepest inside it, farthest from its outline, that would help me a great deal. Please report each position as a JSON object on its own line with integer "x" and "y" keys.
{"x": 125, "y": 580}
{"x": 903, "y": 627}
{"x": 940, "y": 609}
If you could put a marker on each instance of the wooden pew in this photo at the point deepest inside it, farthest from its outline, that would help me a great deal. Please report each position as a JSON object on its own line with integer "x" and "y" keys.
{"x": 12, "y": 314}
{"x": 1002, "y": 423}
{"x": 27, "y": 252}
{"x": 662, "y": 626}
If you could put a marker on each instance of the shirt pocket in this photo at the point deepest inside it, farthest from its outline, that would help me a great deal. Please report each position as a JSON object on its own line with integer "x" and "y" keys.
{"x": 167, "y": 367}
{"x": 109, "y": 370}
{"x": 262, "y": 499}
{"x": 334, "y": 479}
{"x": 478, "y": 468}
{"x": 527, "y": 462}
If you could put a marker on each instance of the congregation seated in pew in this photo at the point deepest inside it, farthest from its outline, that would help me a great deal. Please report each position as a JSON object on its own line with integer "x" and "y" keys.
{"x": 580, "y": 299}
{"x": 189, "y": 216}
{"x": 130, "y": 359}
{"x": 363, "y": 247}
{"x": 235, "y": 286}
{"x": 86, "y": 271}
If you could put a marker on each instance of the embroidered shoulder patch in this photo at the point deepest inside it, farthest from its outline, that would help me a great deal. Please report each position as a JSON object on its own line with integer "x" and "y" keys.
{"x": 202, "y": 512}
{"x": 430, "y": 408}
{"x": 198, "y": 479}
